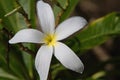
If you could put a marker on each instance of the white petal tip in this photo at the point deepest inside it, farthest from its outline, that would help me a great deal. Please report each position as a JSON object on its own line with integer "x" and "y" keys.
{"x": 81, "y": 72}
{"x": 68, "y": 58}
{"x": 70, "y": 26}
{"x": 81, "y": 69}
{"x": 11, "y": 41}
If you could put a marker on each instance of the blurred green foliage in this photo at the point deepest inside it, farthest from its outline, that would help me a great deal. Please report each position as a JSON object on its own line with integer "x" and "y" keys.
{"x": 16, "y": 63}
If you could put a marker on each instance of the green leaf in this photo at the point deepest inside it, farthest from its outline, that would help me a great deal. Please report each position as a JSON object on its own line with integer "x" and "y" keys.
{"x": 32, "y": 8}
{"x": 21, "y": 65}
{"x": 63, "y": 8}
{"x": 57, "y": 12}
{"x": 3, "y": 54}
{"x": 13, "y": 21}
{"x": 98, "y": 32}
{"x": 28, "y": 60}
{"x": 56, "y": 68}
{"x": 8, "y": 76}
{"x": 7, "y": 6}
{"x": 29, "y": 7}
{"x": 69, "y": 9}
{"x": 63, "y": 3}
{"x": 15, "y": 64}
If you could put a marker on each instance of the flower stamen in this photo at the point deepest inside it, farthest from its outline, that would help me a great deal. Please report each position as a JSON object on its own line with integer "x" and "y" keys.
{"x": 50, "y": 39}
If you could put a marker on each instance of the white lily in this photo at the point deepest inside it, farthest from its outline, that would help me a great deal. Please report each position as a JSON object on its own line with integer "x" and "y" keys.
{"x": 50, "y": 38}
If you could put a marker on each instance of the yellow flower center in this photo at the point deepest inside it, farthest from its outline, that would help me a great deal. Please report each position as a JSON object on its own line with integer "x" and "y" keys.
{"x": 50, "y": 39}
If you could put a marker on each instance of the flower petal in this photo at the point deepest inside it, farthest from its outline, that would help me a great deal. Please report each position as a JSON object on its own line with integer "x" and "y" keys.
{"x": 68, "y": 58}
{"x": 46, "y": 17}
{"x": 27, "y": 35}
{"x": 69, "y": 26}
{"x": 42, "y": 61}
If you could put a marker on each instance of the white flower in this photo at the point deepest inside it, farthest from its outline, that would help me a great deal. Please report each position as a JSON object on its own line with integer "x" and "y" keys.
{"x": 50, "y": 38}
